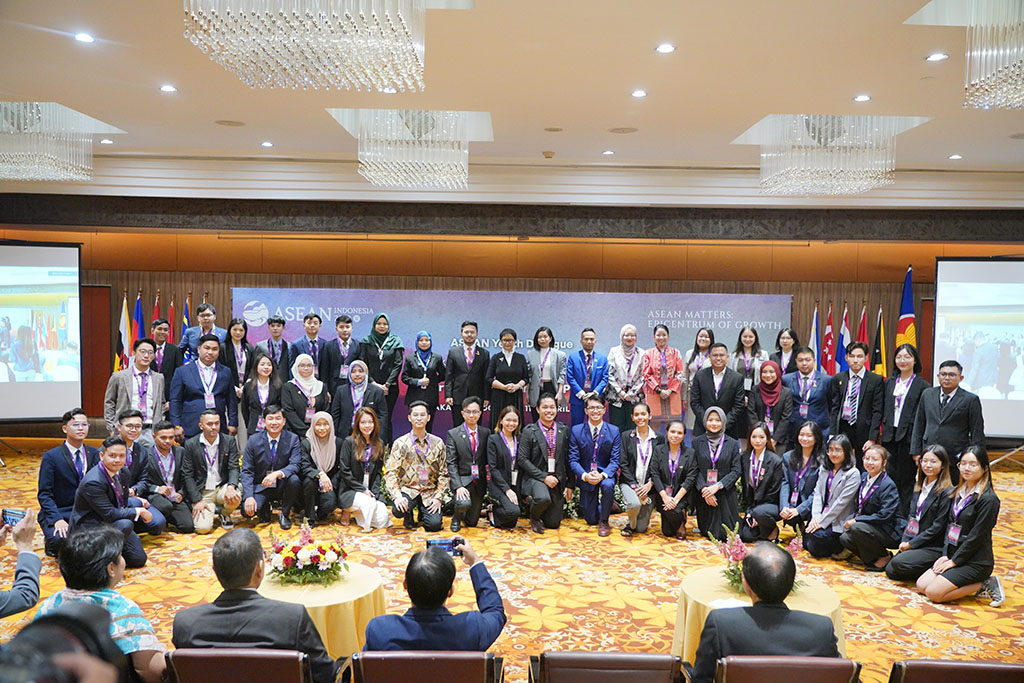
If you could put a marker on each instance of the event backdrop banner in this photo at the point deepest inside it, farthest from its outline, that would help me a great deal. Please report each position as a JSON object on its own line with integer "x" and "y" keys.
{"x": 441, "y": 312}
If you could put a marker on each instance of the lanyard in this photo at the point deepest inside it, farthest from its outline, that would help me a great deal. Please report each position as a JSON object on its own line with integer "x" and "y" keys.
{"x": 512, "y": 447}
{"x": 356, "y": 404}
{"x": 644, "y": 458}
{"x": 629, "y": 363}
{"x": 597, "y": 442}
{"x": 922, "y": 498}
{"x": 472, "y": 438}
{"x": 828, "y": 485}
{"x": 674, "y": 463}
{"x": 419, "y": 454}
{"x": 263, "y": 392}
{"x": 275, "y": 354}
{"x": 366, "y": 456}
{"x": 717, "y": 453}
{"x": 207, "y": 386}
{"x": 208, "y": 447}
{"x": 168, "y": 471}
{"x": 700, "y": 359}
{"x": 798, "y": 476}
{"x": 862, "y": 496}
{"x": 544, "y": 360}
{"x": 755, "y": 467}
{"x": 959, "y": 507}
{"x": 116, "y": 485}
{"x": 747, "y": 362}
{"x": 549, "y": 436}
{"x": 240, "y": 360}
{"x": 900, "y": 396}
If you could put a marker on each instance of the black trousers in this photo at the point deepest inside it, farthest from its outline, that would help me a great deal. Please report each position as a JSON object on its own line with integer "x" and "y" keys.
{"x": 902, "y": 470}
{"x": 765, "y": 515}
{"x": 431, "y": 521}
{"x": 286, "y": 493}
{"x": 672, "y": 521}
{"x": 468, "y": 511}
{"x": 545, "y": 503}
{"x": 858, "y": 444}
{"x": 178, "y": 515}
{"x": 318, "y": 504}
{"x": 392, "y": 398}
{"x": 866, "y": 541}
{"x": 506, "y": 513}
{"x": 908, "y": 565}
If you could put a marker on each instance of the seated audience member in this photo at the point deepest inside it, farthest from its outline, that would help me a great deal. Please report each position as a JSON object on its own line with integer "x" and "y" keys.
{"x": 543, "y": 463}
{"x": 767, "y": 627}
{"x": 422, "y": 374}
{"x": 320, "y": 469}
{"x": 263, "y": 388}
{"x": 762, "y": 479}
{"x": 925, "y": 536}
{"x": 465, "y": 450}
{"x": 360, "y": 392}
{"x": 416, "y": 473}
{"x": 303, "y": 396}
{"x": 135, "y": 472}
{"x": 360, "y": 477}
{"x": 203, "y": 383}
{"x": 876, "y": 524}
{"x": 140, "y": 387}
{"x": 166, "y": 480}
{"x": 594, "y": 459}
{"x": 503, "y": 487}
{"x": 60, "y": 471}
{"x": 103, "y": 499}
{"x": 92, "y": 565}
{"x": 25, "y": 591}
{"x": 800, "y": 476}
{"x": 835, "y": 498}
{"x": 270, "y": 470}
{"x": 428, "y": 625}
{"x": 241, "y": 617}
{"x": 673, "y": 473}
{"x": 637, "y": 451}
{"x": 210, "y": 474}
{"x": 719, "y": 467}
{"x": 966, "y": 564}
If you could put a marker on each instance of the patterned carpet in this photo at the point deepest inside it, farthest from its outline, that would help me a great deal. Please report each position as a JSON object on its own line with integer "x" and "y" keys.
{"x": 570, "y": 589}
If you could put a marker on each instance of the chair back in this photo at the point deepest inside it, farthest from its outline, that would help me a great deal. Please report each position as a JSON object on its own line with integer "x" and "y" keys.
{"x": 608, "y": 667}
{"x": 217, "y": 665}
{"x": 426, "y": 667}
{"x": 947, "y": 671}
{"x": 757, "y": 669}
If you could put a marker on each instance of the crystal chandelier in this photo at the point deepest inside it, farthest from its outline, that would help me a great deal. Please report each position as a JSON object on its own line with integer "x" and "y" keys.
{"x": 47, "y": 141}
{"x": 362, "y": 44}
{"x": 413, "y": 147}
{"x": 995, "y": 47}
{"x": 825, "y": 154}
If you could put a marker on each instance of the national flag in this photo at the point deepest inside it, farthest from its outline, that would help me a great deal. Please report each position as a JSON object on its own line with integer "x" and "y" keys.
{"x": 124, "y": 334}
{"x": 878, "y": 364}
{"x": 844, "y": 339}
{"x": 185, "y": 324}
{"x": 812, "y": 341}
{"x": 138, "y": 323}
{"x": 828, "y": 346}
{"x": 171, "y": 320}
{"x": 206, "y": 295}
{"x": 156, "y": 307}
{"x": 862, "y": 327}
{"x": 906, "y": 327}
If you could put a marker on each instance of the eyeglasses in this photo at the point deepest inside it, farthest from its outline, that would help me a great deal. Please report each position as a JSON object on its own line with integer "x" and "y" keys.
{"x": 471, "y": 412}
{"x": 132, "y": 428}
{"x": 949, "y": 374}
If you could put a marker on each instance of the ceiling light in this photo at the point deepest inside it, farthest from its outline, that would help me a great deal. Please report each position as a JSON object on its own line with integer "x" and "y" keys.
{"x": 862, "y": 98}
{"x": 229, "y": 123}
{"x": 608, "y": 152}
{"x": 389, "y": 90}
{"x": 666, "y": 48}
{"x": 639, "y": 92}
{"x": 167, "y": 87}
{"x": 553, "y": 129}
{"x": 955, "y": 157}
{"x": 106, "y": 141}
{"x": 623, "y": 130}
{"x": 936, "y": 57}
{"x": 267, "y": 143}
{"x": 84, "y": 38}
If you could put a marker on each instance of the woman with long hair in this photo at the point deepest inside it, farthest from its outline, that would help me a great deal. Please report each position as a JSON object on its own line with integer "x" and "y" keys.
{"x": 800, "y": 469}
{"x": 746, "y": 358}
{"x": 359, "y": 481}
{"x": 674, "y": 476}
{"x": 502, "y": 449}
{"x": 547, "y": 369}
{"x": 261, "y": 389}
{"x": 762, "y": 479}
{"x": 899, "y": 408}
{"x": 876, "y": 524}
{"x": 786, "y": 344}
{"x": 925, "y": 535}
{"x": 696, "y": 358}
{"x": 835, "y": 498}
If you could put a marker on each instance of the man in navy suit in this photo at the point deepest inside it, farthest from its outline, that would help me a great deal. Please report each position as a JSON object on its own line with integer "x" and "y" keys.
{"x": 270, "y": 469}
{"x": 276, "y": 347}
{"x": 102, "y": 498}
{"x": 191, "y": 339}
{"x": 811, "y": 389}
{"x": 339, "y": 354}
{"x": 429, "y": 579}
{"x": 587, "y": 374}
{"x": 201, "y": 384}
{"x": 594, "y": 459}
{"x": 60, "y": 471}
{"x": 310, "y": 344}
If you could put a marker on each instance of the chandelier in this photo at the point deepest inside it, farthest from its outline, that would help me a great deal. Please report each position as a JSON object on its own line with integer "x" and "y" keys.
{"x": 995, "y": 47}
{"x": 825, "y": 154}
{"x": 47, "y": 141}
{"x": 312, "y": 44}
{"x": 413, "y": 147}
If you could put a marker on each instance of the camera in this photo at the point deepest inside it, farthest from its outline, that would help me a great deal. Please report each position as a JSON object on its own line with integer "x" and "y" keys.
{"x": 446, "y": 544}
{"x": 12, "y": 516}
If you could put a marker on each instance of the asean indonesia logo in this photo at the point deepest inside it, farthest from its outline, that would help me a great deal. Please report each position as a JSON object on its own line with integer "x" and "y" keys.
{"x": 255, "y": 313}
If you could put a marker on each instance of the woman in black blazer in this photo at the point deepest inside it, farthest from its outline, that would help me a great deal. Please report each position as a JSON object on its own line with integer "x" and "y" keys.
{"x": 786, "y": 344}
{"x": 360, "y": 481}
{"x": 772, "y": 404}
{"x": 638, "y": 450}
{"x": 800, "y": 475}
{"x": 718, "y": 468}
{"x": 967, "y": 559}
{"x": 319, "y": 469}
{"x": 358, "y": 393}
{"x": 762, "y": 479}
{"x": 382, "y": 352}
{"x": 237, "y": 354}
{"x": 504, "y": 488}
{"x": 925, "y": 536}
{"x": 876, "y": 524}
{"x": 899, "y": 408}
{"x": 508, "y": 375}
{"x": 422, "y": 373}
{"x": 674, "y": 474}
{"x": 302, "y": 396}
{"x": 261, "y": 390}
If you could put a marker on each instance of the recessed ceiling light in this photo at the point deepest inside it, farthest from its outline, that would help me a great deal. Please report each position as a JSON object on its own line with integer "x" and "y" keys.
{"x": 267, "y": 143}
{"x": 955, "y": 157}
{"x": 106, "y": 141}
{"x": 84, "y": 38}
{"x": 608, "y": 152}
{"x": 624, "y": 130}
{"x": 167, "y": 87}
{"x": 229, "y": 123}
{"x": 389, "y": 91}
{"x": 639, "y": 92}
{"x": 1017, "y": 136}
{"x": 666, "y": 48}
{"x": 553, "y": 129}
{"x": 862, "y": 98}
{"x": 936, "y": 57}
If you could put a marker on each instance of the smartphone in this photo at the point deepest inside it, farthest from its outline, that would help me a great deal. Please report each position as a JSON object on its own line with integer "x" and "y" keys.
{"x": 12, "y": 516}
{"x": 445, "y": 544}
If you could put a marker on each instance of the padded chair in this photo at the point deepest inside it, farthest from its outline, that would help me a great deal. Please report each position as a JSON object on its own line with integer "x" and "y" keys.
{"x": 951, "y": 671}
{"x": 425, "y": 667}
{"x": 217, "y": 665}
{"x": 757, "y": 669}
{"x": 605, "y": 667}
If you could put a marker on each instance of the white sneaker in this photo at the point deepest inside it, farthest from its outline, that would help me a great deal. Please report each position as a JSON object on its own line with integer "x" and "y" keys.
{"x": 995, "y": 591}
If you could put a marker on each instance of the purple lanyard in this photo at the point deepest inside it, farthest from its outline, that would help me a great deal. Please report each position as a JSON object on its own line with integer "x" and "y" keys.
{"x": 262, "y": 394}
{"x": 543, "y": 361}
{"x": 116, "y": 485}
{"x": 597, "y": 443}
{"x": 309, "y": 402}
{"x": 717, "y": 453}
{"x": 419, "y": 454}
{"x": 755, "y": 467}
{"x": 588, "y": 363}
{"x": 143, "y": 379}
{"x": 469, "y": 435}
{"x": 959, "y": 507}
{"x": 674, "y": 463}
{"x": 343, "y": 350}
{"x": 629, "y": 363}
{"x": 798, "y": 476}
{"x": 240, "y": 360}
{"x": 512, "y": 447}
{"x": 208, "y": 385}
{"x": 550, "y": 438}
{"x": 210, "y": 458}
{"x": 862, "y": 497}
{"x": 900, "y": 397}
{"x": 275, "y": 354}
{"x": 366, "y": 457}
{"x": 169, "y": 471}
{"x": 700, "y": 359}
{"x": 747, "y": 362}
{"x": 356, "y": 405}
{"x": 805, "y": 388}
{"x": 921, "y": 500}
{"x": 828, "y": 485}
{"x": 644, "y": 459}
{"x": 664, "y": 359}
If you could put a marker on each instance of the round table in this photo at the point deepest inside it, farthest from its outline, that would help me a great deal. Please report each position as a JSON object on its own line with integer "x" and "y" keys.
{"x": 341, "y": 610}
{"x": 702, "y": 587}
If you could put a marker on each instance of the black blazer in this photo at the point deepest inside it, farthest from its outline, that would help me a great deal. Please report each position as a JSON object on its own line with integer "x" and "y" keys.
{"x": 729, "y": 467}
{"x": 805, "y": 495}
{"x": 790, "y": 367}
{"x": 499, "y": 464}
{"x": 155, "y": 478}
{"x": 412, "y": 372}
{"x": 309, "y": 469}
{"x": 661, "y": 475}
{"x": 349, "y": 480}
{"x": 730, "y": 398}
{"x": 383, "y": 368}
{"x": 460, "y": 381}
{"x": 781, "y": 414}
{"x": 769, "y": 482}
{"x": 294, "y": 404}
{"x": 959, "y": 426}
{"x": 96, "y": 503}
{"x": 343, "y": 411}
{"x": 532, "y": 459}
{"x": 891, "y": 431}
{"x": 882, "y": 508}
{"x": 869, "y": 404}
{"x": 171, "y": 361}
{"x": 628, "y": 457}
{"x": 250, "y": 406}
{"x": 335, "y": 358}
{"x": 227, "y": 357}
{"x": 135, "y": 475}
{"x": 932, "y": 523}
{"x": 976, "y": 522}
{"x": 193, "y": 466}
{"x": 458, "y": 451}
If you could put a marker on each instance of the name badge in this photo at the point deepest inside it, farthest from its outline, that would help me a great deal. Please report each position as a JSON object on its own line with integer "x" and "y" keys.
{"x": 953, "y": 534}
{"x": 824, "y": 511}
{"x": 424, "y": 476}
{"x": 913, "y": 526}
{"x": 309, "y": 414}
{"x": 366, "y": 480}
{"x": 803, "y": 410}
{"x": 259, "y": 425}
{"x": 847, "y": 412}
{"x": 551, "y": 465}
{"x": 344, "y": 372}
{"x": 668, "y": 490}
{"x": 794, "y": 498}
{"x": 474, "y": 470}
{"x": 712, "y": 477}
{"x": 211, "y": 402}
{"x": 586, "y": 385}
{"x": 748, "y": 383}
{"x": 515, "y": 477}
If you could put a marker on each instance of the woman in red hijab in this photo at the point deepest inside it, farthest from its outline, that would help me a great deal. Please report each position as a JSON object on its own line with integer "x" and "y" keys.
{"x": 771, "y": 403}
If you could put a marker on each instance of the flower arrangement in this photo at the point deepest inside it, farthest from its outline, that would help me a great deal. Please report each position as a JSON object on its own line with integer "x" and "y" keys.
{"x": 307, "y": 560}
{"x": 734, "y": 550}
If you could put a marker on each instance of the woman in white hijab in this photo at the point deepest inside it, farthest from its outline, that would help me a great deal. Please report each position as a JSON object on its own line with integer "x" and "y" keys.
{"x": 625, "y": 379}
{"x": 320, "y": 469}
{"x": 303, "y": 396}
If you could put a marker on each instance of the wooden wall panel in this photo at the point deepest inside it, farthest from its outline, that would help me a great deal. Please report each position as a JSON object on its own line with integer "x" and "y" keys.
{"x": 111, "y": 251}
{"x": 219, "y": 255}
{"x": 97, "y": 351}
{"x": 728, "y": 262}
{"x": 549, "y": 259}
{"x": 390, "y": 256}
{"x": 814, "y": 261}
{"x": 645, "y": 261}
{"x": 474, "y": 259}
{"x": 304, "y": 256}
{"x": 889, "y": 261}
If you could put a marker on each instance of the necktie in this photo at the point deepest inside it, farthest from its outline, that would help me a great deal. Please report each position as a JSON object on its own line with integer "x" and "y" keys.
{"x": 79, "y": 463}
{"x": 594, "y": 431}
{"x": 160, "y": 358}
{"x": 854, "y": 397}
{"x": 942, "y": 405}
{"x": 313, "y": 350}
{"x": 143, "y": 391}
{"x": 472, "y": 440}
{"x": 273, "y": 452}
{"x": 803, "y": 386}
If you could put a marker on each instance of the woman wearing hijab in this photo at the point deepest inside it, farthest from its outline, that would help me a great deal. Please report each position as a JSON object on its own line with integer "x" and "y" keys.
{"x": 358, "y": 393}
{"x": 423, "y": 372}
{"x": 382, "y": 352}
{"x": 663, "y": 366}
{"x": 359, "y": 481}
{"x": 508, "y": 373}
{"x": 547, "y": 369}
{"x": 320, "y": 468}
{"x": 718, "y": 469}
{"x": 625, "y": 379}
{"x": 772, "y": 403}
{"x": 303, "y": 396}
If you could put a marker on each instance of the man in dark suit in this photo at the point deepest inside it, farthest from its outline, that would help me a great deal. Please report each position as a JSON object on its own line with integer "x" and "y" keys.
{"x": 201, "y": 384}
{"x": 140, "y": 387}
{"x": 718, "y": 385}
{"x": 135, "y": 472}
{"x": 812, "y": 390}
{"x": 594, "y": 460}
{"x": 857, "y": 399}
{"x": 191, "y": 338}
{"x": 586, "y": 372}
{"x": 949, "y": 416}
{"x": 103, "y": 499}
{"x": 210, "y": 475}
{"x": 276, "y": 347}
{"x": 429, "y": 579}
{"x": 465, "y": 450}
{"x": 270, "y": 469}
{"x": 310, "y": 344}
{"x": 767, "y": 627}
{"x": 339, "y": 354}
{"x": 168, "y": 357}
{"x": 465, "y": 371}
{"x": 60, "y": 471}
{"x": 241, "y": 617}
{"x": 543, "y": 463}
{"x": 165, "y": 480}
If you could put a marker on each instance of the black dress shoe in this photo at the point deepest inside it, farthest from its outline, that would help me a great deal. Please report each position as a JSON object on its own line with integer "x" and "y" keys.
{"x": 311, "y": 521}
{"x": 264, "y": 516}
{"x": 409, "y": 522}
{"x": 283, "y": 520}
{"x": 456, "y": 525}
{"x": 537, "y": 526}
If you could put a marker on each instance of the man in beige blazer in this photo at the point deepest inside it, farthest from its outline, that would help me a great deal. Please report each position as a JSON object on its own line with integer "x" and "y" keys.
{"x": 136, "y": 387}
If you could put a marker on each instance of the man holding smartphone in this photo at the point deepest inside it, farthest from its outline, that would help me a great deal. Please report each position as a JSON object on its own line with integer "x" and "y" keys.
{"x": 25, "y": 591}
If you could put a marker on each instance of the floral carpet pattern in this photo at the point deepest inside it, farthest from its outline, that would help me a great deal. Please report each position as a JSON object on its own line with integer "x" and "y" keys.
{"x": 570, "y": 589}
